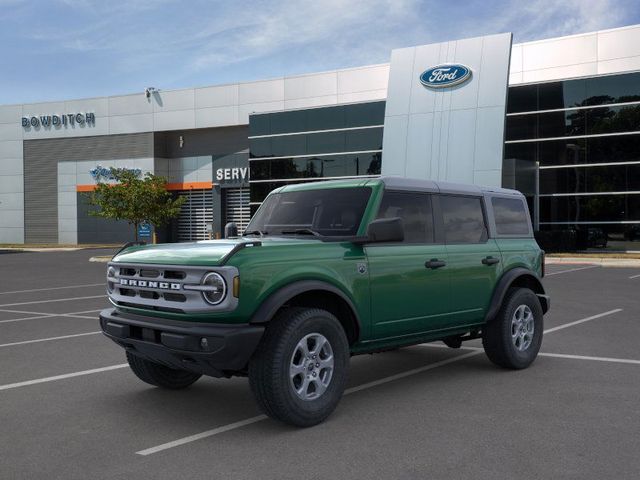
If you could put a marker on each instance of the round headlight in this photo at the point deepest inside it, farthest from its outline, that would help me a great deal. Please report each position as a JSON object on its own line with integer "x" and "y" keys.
{"x": 216, "y": 288}
{"x": 111, "y": 273}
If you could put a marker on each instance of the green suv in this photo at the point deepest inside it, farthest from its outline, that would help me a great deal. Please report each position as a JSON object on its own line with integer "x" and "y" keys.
{"x": 326, "y": 270}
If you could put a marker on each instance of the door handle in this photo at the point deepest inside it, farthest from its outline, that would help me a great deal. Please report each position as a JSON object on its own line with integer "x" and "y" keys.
{"x": 434, "y": 263}
{"x": 490, "y": 260}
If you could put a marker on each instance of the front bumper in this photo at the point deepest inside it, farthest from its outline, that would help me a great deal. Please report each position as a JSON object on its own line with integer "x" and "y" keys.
{"x": 181, "y": 345}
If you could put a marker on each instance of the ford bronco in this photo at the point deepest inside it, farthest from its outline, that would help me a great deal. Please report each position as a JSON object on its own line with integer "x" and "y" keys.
{"x": 326, "y": 270}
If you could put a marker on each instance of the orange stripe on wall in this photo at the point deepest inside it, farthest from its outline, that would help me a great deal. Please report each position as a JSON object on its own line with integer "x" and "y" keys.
{"x": 170, "y": 186}
{"x": 189, "y": 185}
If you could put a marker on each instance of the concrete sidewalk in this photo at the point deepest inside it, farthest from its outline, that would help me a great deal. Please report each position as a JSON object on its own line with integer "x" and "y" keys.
{"x": 603, "y": 261}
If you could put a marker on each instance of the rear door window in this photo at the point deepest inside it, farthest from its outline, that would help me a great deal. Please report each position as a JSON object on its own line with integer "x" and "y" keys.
{"x": 463, "y": 219}
{"x": 511, "y": 216}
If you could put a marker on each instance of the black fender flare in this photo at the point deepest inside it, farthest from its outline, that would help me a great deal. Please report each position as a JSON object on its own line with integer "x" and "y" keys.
{"x": 506, "y": 281}
{"x": 277, "y": 299}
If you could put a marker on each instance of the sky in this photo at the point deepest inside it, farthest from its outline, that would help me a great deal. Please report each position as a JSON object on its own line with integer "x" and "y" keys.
{"x": 68, "y": 49}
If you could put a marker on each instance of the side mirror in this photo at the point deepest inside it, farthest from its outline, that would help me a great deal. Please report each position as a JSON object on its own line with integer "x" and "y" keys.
{"x": 230, "y": 230}
{"x": 385, "y": 230}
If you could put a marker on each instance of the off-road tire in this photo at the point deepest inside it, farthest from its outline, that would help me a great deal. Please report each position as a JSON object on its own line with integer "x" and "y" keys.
{"x": 269, "y": 376}
{"x": 159, "y": 375}
{"x": 497, "y": 333}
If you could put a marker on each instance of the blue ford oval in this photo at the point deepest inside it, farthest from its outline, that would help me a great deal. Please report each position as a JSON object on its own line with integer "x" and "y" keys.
{"x": 442, "y": 76}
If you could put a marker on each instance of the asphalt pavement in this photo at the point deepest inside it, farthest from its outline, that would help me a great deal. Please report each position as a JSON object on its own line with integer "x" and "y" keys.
{"x": 71, "y": 409}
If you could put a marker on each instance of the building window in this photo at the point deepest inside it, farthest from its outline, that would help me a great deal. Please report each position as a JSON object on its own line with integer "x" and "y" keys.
{"x": 581, "y": 160}
{"x": 603, "y": 90}
{"x": 314, "y": 144}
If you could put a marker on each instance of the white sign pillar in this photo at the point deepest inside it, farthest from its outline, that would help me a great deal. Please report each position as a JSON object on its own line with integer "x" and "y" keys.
{"x": 448, "y": 124}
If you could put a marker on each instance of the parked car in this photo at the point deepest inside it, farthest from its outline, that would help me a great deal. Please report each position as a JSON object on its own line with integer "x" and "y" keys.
{"x": 327, "y": 270}
{"x": 597, "y": 238}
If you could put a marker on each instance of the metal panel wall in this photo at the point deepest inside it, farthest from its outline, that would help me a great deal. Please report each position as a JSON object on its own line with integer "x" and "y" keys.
{"x": 41, "y": 173}
{"x": 453, "y": 133}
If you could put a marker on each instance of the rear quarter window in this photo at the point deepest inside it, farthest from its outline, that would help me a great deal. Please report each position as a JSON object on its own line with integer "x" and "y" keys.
{"x": 511, "y": 216}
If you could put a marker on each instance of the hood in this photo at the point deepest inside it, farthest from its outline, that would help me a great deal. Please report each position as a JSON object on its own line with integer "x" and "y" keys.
{"x": 205, "y": 253}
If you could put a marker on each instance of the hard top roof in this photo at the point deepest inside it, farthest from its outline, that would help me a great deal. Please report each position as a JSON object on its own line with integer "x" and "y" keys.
{"x": 401, "y": 183}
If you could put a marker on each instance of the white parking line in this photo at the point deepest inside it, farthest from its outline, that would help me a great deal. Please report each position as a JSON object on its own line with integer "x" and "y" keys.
{"x": 571, "y": 270}
{"x": 54, "y": 288}
{"x": 375, "y": 383}
{"x": 259, "y": 418}
{"x": 61, "y": 377}
{"x": 595, "y": 359}
{"x": 51, "y": 301}
{"x": 634, "y": 276}
{"x": 577, "y": 322}
{"x": 48, "y": 339}
{"x": 408, "y": 373}
{"x": 12, "y": 320}
{"x": 200, "y": 436}
{"x": 48, "y": 315}
{"x": 552, "y": 355}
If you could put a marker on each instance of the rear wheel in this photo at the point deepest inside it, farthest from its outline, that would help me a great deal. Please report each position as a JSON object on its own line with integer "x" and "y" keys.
{"x": 299, "y": 371}
{"x": 513, "y": 338}
{"x": 159, "y": 375}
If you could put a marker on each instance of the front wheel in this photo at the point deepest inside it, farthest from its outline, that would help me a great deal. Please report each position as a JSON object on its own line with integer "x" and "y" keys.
{"x": 512, "y": 339}
{"x": 299, "y": 371}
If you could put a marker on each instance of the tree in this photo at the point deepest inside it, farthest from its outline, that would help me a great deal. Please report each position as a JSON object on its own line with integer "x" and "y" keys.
{"x": 134, "y": 199}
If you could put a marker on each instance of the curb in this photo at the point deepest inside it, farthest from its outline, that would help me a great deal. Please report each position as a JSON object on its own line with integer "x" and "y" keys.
{"x": 32, "y": 249}
{"x": 102, "y": 259}
{"x": 602, "y": 261}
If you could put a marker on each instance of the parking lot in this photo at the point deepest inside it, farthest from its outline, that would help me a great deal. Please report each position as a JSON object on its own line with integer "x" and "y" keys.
{"x": 70, "y": 407}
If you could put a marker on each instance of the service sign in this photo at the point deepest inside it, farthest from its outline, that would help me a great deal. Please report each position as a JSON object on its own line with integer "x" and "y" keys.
{"x": 235, "y": 174}
{"x": 442, "y": 76}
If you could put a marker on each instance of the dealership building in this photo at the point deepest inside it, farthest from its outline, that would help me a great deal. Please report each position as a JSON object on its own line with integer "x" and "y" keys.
{"x": 558, "y": 119}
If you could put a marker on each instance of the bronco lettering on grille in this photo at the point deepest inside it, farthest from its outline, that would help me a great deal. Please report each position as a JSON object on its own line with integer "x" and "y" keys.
{"x": 145, "y": 283}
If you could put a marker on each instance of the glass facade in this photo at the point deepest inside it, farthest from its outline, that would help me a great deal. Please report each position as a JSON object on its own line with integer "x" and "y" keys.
{"x": 573, "y": 148}
{"x": 314, "y": 144}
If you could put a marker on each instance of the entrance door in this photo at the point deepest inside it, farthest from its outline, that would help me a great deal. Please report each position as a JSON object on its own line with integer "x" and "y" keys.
{"x": 195, "y": 214}
{"x": 409, "y": 280}
{"x": 237, "y": 207}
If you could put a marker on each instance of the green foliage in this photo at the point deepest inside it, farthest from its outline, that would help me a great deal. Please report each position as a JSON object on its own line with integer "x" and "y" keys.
{"x": 134, "y": 199}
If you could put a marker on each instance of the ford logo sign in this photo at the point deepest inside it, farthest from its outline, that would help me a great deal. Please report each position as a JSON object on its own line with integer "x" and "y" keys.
{"x": 442, "y": 76}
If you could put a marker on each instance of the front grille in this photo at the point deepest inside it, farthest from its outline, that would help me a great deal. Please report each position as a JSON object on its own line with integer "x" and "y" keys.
{"x": 149, "y": 294}
{"x": 161, "y": 288}
{"x": 146, "y": 273}
{"x": 174, "y": 275}
{"x": 175, "y": 297}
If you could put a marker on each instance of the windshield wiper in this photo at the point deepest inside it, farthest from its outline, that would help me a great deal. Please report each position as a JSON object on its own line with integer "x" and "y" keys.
{"x": 301, "y": 231}
{"x": 254, "y": 232}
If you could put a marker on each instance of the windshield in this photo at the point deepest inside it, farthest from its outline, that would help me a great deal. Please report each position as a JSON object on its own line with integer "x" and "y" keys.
{"x": 327, "y": 212}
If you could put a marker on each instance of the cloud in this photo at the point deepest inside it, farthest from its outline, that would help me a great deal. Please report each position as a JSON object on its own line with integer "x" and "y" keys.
{"x": 175, "y": 43}
{"x": 335, "y": 26}
{"x": 540, "y": 19}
